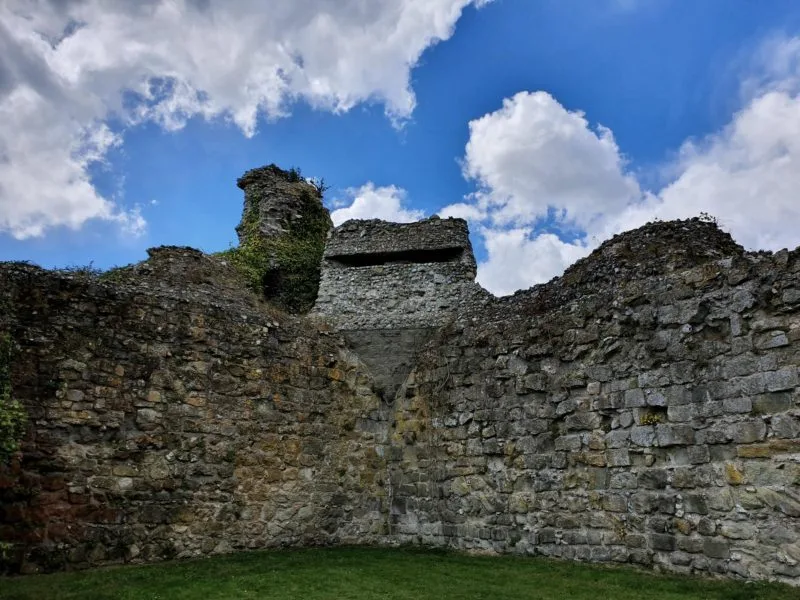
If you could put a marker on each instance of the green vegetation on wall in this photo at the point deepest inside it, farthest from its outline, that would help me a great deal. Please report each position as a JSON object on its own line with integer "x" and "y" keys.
{"x": 12, "y": 414}
{"x": 285, "y": 267}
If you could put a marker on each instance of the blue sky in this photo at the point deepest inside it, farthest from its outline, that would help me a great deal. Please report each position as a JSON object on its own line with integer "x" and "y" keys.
{"x": 549, "y": 124}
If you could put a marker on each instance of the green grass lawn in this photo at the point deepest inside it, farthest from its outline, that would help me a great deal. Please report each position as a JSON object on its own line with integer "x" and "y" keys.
{"x": 357, "y": 573}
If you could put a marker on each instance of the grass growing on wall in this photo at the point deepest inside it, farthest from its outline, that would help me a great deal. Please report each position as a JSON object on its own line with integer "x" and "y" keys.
{"x": 368, "y": 573}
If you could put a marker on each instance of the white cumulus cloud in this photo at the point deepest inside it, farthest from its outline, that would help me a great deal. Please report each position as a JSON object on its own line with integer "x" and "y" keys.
{"x": 370, "y": 202}
{"x": 748, "y": 176}
{"x": 516, "y": 258}
{"x": 68, "y": 67}
{"x": 541, "y": 169}
{"x": 532, "y": 155}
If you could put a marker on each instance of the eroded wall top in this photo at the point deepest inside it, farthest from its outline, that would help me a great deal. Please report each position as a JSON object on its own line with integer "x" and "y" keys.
{"x": 431, "y": 240}
{"x": 379, "y": 275}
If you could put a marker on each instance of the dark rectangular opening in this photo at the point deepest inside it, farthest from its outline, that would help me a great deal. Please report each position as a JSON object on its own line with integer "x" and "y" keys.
{"x": 403, "y": 256}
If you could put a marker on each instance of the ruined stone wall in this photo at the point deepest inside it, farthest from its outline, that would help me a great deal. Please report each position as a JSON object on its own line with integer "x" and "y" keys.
{"x": 429, "y": 295}
{"x": 379, "y": 275}
{"x": 183, "y": 418}
{"x": 388, "y": 286}
{"x": 282, "y": 237}
{"x": 644, "y": 408}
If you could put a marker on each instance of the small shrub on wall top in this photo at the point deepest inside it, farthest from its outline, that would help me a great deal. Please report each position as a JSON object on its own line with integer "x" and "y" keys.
{"x": 12, "y": 414}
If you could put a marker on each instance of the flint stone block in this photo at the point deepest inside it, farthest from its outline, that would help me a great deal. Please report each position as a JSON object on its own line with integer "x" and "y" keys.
{"x": 782, "y": 379}
{"x": 692, "y": 545}
{"x": 617, "y": 438}
{"x": 716, "y": 548}
{"x": 785, "y": 426}
{"x": 791, "y": 296}
{"x": 752, "y": 384}
{"x": 546, "y": 536}
{"x": 695, "y": 503}
{"x": 681, "y": 413}
{"x": 662, "y": 542}
{"x": 774, "y": 339}
{"x": 626, "y": 418}
{"x": 635, "y": 540}
{"x": 720, "y": 500}
{"x": 674, "y": 435}
{"x": 775, "y": 402}
{"x": 653, "y": 479}
{"x": 147, "y": 418}
{"x": 536, "y": 382}
{"x": 706, "y": 526}
{"x": 655, "y": 399}
{"x": 683, "y": 477}
{"x": 713, "y": 436}
{"x": 718, "y": 390}
{"x": 75, "y": 395}
{"x": 571, "y": 442}
{"x": 623, "y": 480}
{"x": 739, "y": 366}
{"x": 780, "y": 501}
{"x": 777, "y": 535}
{"x": 680, "y": 559}
{"x": 653, "y": 378}
{"x": 615, "y": 503}
{"x": 678, "y": 395}
{"x": 618, "y": 457}
{"x": 737, "y": 405}
{"x": 747, "y": 432}
{"x": 737, "y": 530}
{"x": 583, "y": 420}
{"x": 634, "y": 398}
{"x": 698, "y": 454}
{"x": 742, "y": 300}
{"x": 644, "y": 435}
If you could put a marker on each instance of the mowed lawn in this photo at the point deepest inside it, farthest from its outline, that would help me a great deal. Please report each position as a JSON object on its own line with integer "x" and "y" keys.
{"x": 360, "y": 573}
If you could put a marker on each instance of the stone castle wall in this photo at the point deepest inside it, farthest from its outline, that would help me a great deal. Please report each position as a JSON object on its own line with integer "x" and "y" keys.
{"x": 643, "y": 408}
{"x": 638, "y": 410}
{"x": 389, "y": 276}
{"x": 176, "y": 421}
{"x": 388, "y": 286}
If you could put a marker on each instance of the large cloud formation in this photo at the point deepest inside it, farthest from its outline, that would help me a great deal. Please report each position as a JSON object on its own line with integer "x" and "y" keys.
{"x": 550, "y": 186}
{"x": 68, "y": 67}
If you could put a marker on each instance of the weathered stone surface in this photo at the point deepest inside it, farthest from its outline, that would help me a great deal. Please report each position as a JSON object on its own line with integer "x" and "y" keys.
{"x": 783, "y": 379}
{"x": 388, "y": 286}
{"x": 379, "y": 275}
{"x": 609, "y": 415}
{"x": 282, "y": 236}
{"x": 781, "y": 501}
{"x": 737, "y": 530}
{"x": 715, "y": 548}
{"x": 684, "y": 425}
{"x": 195, "y": 421}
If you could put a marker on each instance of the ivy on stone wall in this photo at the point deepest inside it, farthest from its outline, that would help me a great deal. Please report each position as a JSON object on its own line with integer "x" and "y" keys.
{"x": 284, "y": 268}
{"x": 12, "y": 415}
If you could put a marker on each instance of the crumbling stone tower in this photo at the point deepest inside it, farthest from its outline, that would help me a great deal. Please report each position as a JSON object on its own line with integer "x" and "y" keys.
{"x": 281, "y": 236}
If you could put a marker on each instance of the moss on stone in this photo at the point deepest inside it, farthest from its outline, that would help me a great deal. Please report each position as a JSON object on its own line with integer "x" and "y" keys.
{"x": 284, "y": 267}
{"x": 12, "y": 415}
